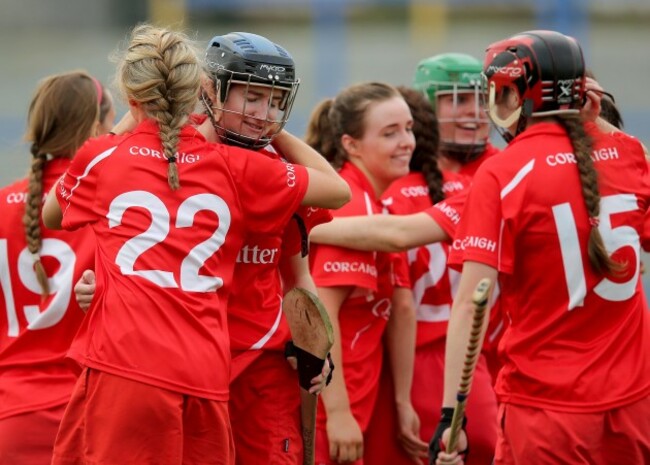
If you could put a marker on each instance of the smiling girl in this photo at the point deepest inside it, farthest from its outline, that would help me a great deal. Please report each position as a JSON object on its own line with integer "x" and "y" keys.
{"x": 366, "y": 131}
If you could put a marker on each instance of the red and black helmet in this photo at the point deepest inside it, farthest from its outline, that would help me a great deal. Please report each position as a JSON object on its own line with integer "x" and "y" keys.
{"x": 545, "y": 68}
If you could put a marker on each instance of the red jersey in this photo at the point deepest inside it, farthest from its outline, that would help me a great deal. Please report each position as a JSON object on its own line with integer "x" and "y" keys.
{"x": 36, "y": 333}
{"x": 578, "y": 340}
{"x": 469, "y": 169}
{"x": 255, "y": 318}
{"x": 364, "y": 314}
{"x": 645, "y": 238}
{"x": 432, "y": 282}
{"x": 165, "y": 258}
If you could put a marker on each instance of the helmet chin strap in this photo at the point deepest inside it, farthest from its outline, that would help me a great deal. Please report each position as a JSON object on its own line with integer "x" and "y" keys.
{"x": 505, "y": 123}
{"x": 519, "y": 116}
{"x": 463, "y": 153}
{"x": 207, "y": 104}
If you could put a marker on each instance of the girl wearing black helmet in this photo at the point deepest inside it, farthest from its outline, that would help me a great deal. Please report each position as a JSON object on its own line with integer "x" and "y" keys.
{"x": 557, "y": 219}
{"x": 248, "y": 98}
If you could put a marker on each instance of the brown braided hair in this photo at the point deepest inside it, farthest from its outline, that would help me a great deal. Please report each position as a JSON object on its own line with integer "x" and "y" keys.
{"x": 582, "y": 144}
{"x": 161, "y": 72}
{"x": 62, "y": 114}
{"x": 427, "y": 138}
{"x": 345, "y": 114}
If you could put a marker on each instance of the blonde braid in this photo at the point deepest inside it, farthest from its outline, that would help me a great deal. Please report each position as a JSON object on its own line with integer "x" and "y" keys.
{"x": 162, "y": 73}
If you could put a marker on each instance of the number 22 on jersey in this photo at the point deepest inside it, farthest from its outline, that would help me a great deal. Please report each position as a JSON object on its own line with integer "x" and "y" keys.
{"x": 158, "y": 230}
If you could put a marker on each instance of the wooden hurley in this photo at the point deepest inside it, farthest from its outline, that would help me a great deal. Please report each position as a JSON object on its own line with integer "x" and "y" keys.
{"x": 311, "y": 331}
{"x": 480, "y": 300}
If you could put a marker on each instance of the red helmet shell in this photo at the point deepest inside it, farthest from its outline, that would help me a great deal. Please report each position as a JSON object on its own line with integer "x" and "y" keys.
{"x": 545, "y": 67}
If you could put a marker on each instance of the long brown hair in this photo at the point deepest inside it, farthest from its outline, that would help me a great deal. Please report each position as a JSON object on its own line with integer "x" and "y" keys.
{"x": 62, "y": 114}
{"x": 427, "y": 138}
{"x": 582, "y": 148}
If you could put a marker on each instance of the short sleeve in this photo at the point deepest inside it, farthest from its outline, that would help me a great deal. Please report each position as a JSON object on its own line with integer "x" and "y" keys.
{"x": 269, "y": 190}
{"x": 337, "y": 266}
{"x": 478, "y": 231}
{"x": 76, "y": 190}
{"x": 447, "y": 213}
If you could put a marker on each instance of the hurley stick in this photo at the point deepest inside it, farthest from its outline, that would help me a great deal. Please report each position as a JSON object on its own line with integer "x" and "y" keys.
{"x": 312, "y": 334}
{"x": 480, "y": 300}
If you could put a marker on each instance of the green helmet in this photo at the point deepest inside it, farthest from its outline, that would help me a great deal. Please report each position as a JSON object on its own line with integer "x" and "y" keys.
{"x": 447, "y": 72}
{"x": 452, "y": 74}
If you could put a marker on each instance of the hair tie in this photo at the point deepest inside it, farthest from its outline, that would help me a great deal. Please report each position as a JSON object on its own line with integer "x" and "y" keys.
{"x": 36, "y": 257}
{"x": 171, "y": 159}
{"x": 594, "y": 221}
{"x": 100, "y": 91}
{"x": 34, "y": 150}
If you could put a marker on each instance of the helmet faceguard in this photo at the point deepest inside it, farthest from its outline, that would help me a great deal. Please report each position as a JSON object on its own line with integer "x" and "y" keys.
{"x": 455, "y": 75}
{"x": 266, "y": 73}
{"x": 545, "y": 69}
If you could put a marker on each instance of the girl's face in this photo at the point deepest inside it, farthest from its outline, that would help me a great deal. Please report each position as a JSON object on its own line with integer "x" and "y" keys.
{"x": 252, "y": 111}
{"x": 462, "y": 121}
{"x": 384, "y": 151}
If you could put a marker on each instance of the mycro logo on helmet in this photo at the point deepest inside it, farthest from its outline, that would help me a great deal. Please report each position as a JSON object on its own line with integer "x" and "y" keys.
{"x": 273, "y": 68}
{"x": 507, "y": 70}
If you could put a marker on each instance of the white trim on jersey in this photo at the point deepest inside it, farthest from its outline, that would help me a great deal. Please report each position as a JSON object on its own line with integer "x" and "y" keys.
{"x": 262, "y": 342}
{"x": 528, "y": 167}
{"x": 521, "y": 174}
{"x": 91, "y": 165}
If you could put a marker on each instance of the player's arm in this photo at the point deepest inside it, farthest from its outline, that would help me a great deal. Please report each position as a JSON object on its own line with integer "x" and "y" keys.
{"x": 52, "y": 214}
{"x": 458, "y": 335}
{"x": 460, "y": 325}
{"x": 295, "y": 273}
{"x": 387, "y": 233}
{"x": 459, "y": 330}
{"x": 400, "y": 338}
{"x": 326, "y": 188}
{"x": 126, "y": 124}
{"x": 343, "y": 432}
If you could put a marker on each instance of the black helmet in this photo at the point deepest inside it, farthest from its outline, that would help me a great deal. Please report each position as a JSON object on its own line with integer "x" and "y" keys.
{"x": 252, "y": 60}
{"x": 545, "y": 68}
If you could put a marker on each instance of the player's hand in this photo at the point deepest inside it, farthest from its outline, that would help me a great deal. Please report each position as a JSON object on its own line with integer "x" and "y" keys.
{"x": 452, "y": 458}
{"x": 438, "y": 453}
{"x": 344, "y": 436}
{"x": 84, "y": 290}
{"x": 594, "y": 92}
{"x": 409, "y": 432}
{"x": 318, "y": 382}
